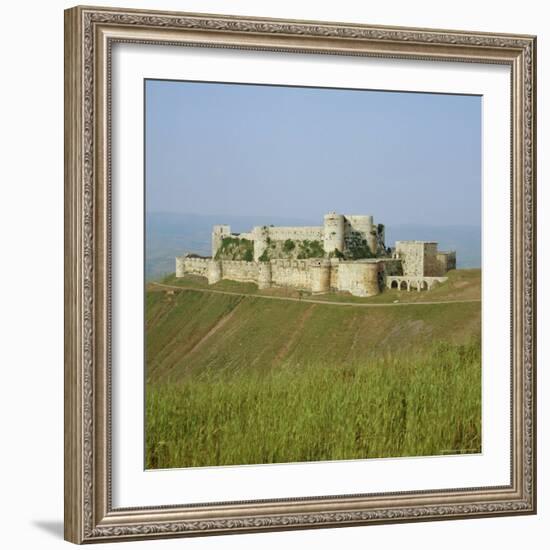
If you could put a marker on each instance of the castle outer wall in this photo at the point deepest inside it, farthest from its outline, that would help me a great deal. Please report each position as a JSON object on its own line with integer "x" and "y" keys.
{"x": 360, "y": 278}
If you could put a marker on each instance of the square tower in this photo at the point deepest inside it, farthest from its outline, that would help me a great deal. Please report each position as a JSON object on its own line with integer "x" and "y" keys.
{"x": 218, "y": 233}
{"x": 418, "y": 258}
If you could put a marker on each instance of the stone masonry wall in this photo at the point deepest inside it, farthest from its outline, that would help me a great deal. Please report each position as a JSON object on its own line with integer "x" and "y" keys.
{"x": 196, "y": 266}
{"x": 240, "y": 271}
{"x": 334, "y": 269}
{"x": 294, "y": 273}
{"x": 248, "y": 236}
{"x": 392, "y": 267}
{"x": 180, "y": 266}
{"x": 359, "y": 278}
{"x": 422, "y": 259}
{"x": 337, "y": 232}
{"x": 264, "y": 236}
{"x": 447, "y": 261}
{"x": 432, "y": 267}
{"x": 411, "y": 254}
{"x": 361, "y": 227}
{"x": 295, "y": 233}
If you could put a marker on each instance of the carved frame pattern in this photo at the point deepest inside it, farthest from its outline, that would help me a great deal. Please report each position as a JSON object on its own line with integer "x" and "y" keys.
{"x": 89, "y": 33}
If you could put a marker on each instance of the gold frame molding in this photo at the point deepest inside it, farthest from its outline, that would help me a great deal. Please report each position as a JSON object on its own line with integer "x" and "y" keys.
{"x": 89, "y": 35}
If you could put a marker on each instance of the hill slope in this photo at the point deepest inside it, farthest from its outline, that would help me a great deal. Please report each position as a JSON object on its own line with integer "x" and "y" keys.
{"x": 239, "y": 378}
{"x": 189, "y": 330}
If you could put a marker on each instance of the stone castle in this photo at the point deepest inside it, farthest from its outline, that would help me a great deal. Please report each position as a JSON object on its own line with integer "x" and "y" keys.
{"x": 346, "y": 253}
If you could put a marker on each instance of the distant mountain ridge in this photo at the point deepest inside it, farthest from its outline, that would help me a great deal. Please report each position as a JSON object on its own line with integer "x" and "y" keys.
{"x": 169, "y": 235}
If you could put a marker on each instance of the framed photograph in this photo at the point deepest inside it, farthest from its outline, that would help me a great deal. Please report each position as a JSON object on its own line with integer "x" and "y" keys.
{"x": 300, "y": 274}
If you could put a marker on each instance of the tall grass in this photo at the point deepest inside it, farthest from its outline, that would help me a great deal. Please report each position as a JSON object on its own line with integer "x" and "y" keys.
{"x": 393, "y": 405}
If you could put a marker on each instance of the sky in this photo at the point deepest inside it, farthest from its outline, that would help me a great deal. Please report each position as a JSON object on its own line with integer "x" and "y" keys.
{"x": 249, "y": 150}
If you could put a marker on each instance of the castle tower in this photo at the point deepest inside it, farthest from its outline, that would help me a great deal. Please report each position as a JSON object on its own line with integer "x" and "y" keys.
{"x": 214, "y": 272}
{"x": 218, "y": 233}
{"x": 411, "y": 254}
{"x": 365, "y": 226}
{"x": 180, "y": 266}
{"x": 264, "y": 275}
{"x": 333, "y": 232}
{"x": 372, "y": 278}
{"x": 320, "y": 276}
{"x": 260, "y": 234}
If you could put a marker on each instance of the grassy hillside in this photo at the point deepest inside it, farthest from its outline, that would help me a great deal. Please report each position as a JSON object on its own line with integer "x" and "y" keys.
{"x": 192, "y": 330}
{"x": 407, "y": 406}
{"x": 241, "y": 379}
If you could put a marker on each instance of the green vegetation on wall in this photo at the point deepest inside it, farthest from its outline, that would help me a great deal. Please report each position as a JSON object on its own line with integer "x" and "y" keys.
{"x": 290, "y": 249}
{"x": 357, "y": 248}
{"x": 264, "y": 256}
{"x": 235, "y": 248}
{"x": 289, "y": 245}
{"x": 336, "y": 254}
{"x": 310, "y": 249}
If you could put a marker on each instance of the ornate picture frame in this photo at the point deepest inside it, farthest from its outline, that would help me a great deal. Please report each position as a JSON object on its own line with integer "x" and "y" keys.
{"x": 90, "y": 34}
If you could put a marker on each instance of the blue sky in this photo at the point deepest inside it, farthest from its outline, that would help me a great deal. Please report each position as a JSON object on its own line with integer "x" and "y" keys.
{"x": 298, "y": 152}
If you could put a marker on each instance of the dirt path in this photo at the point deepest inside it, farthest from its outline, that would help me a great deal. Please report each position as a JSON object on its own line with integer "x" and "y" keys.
{"x": 309, "y": 300}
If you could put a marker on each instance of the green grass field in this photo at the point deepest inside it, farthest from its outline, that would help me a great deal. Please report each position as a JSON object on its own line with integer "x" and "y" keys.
{"x": 241, "y": 379}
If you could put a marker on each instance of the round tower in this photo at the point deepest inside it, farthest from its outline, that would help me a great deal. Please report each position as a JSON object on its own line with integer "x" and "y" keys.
{"x": 264, "y": 275}
{"x": 214, "y": 273}
{"x": 361, "y": 223}
{"x": 372, "y": 278}
{"x": 333, "y": 232}
{"x": 365, "y": 226}
{"x": 180, "y": 266}
{"x": 320, "y": 276}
